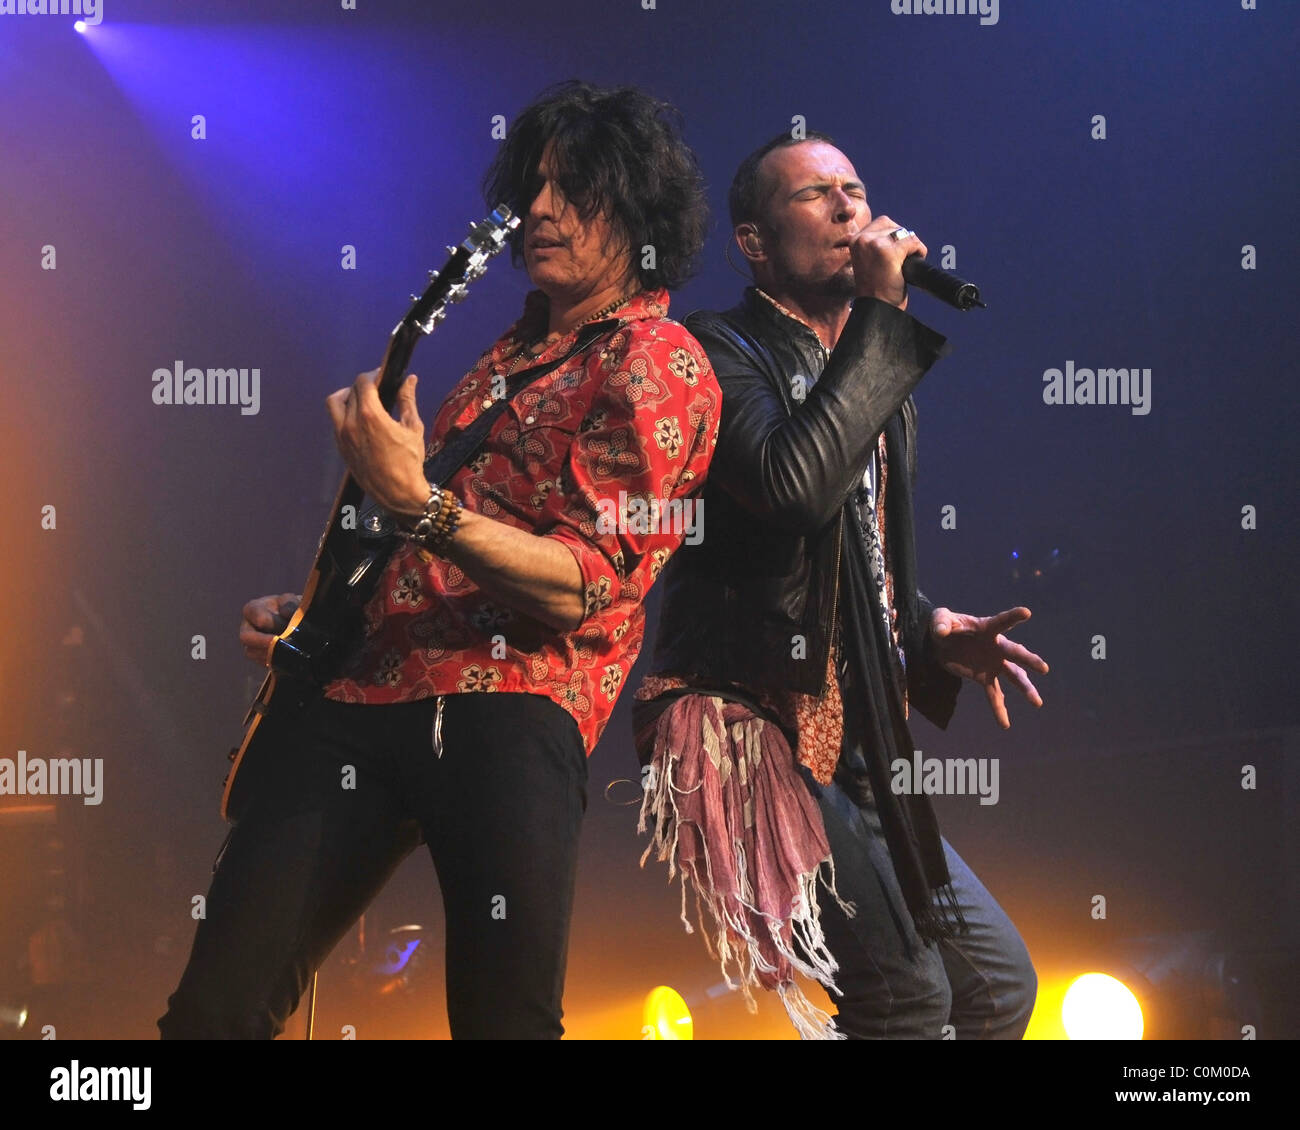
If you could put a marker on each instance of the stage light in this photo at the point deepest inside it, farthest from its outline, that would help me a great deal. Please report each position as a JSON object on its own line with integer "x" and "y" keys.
{"x": 80, "y": 26}
{"x": 1098, "y": 1006}
{"x": 1198, "y": 985}
{"x": 13, "y": 1017}
{"x": 665, "y": 1016}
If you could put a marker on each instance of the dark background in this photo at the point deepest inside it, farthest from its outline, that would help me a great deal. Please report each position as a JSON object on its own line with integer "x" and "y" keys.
{"x": 328, "y": 127}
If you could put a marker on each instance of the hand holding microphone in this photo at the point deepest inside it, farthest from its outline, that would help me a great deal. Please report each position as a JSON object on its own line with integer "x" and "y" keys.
{"x": 886, "y": 257}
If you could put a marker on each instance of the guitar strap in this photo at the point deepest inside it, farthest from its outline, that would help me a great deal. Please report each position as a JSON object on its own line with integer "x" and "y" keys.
{"x": 440, "y": 467}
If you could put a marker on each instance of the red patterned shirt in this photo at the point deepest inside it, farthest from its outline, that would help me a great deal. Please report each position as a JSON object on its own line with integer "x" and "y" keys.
{"x": 603, "y": 455}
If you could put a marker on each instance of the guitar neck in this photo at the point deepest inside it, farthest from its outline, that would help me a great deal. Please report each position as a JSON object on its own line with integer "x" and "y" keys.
{"x": 465, "y": 263}
{"x": 397, "y": 356}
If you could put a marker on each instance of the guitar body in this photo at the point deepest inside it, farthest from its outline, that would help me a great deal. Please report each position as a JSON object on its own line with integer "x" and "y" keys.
{"x": 328, "y": 624}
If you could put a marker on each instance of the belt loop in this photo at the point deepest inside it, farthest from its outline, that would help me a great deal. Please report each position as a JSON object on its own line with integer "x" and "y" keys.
{"x": 437, "y": 728}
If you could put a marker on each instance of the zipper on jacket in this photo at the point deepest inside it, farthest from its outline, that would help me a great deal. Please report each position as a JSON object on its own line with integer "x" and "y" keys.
{"x": 835, "y": 598}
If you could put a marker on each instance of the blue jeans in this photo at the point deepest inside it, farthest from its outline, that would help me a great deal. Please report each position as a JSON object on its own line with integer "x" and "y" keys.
{"x": 501, "y": 811}
{"x": 895, "y": 985}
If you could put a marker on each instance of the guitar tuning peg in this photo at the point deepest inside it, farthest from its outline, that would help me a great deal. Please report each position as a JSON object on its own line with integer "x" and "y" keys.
{"x": 415, "y": 298}
{"x": 431, "y": 322}
{"x": 433, "y": 275}
{"x": 451, "y": 249}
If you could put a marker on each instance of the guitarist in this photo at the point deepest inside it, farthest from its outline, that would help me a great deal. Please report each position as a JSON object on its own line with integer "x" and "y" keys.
{"x": 503, "y": 630}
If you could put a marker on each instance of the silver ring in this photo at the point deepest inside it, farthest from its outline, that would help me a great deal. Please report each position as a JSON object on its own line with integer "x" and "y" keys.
{"x": 900, "y": 234}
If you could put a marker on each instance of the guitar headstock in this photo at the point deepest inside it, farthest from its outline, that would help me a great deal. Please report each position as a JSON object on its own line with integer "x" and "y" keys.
{"x": 465, "y": 263}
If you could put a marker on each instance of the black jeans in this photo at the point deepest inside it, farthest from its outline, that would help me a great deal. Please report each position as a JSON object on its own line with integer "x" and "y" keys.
{"x": 355, "y": 790}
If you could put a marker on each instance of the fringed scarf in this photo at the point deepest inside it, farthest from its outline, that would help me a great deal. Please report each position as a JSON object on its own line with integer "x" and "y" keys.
{"x": 725, "y": 805}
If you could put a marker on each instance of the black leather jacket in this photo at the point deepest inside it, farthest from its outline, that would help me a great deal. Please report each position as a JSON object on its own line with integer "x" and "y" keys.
{"x": 767, "y": 567}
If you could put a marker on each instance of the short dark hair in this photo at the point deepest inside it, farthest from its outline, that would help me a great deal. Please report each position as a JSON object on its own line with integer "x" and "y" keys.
{"x": 742, "y": 200}
{"x": 618, "y": 152}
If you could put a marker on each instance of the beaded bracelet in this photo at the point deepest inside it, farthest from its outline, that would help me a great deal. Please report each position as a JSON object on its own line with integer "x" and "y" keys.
{"x": 446, "y": 522}
{"x": 439, "y": 521}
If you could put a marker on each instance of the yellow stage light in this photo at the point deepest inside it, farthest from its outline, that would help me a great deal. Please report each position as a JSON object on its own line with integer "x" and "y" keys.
{"x": 1099, "y": 1007}
{"x": 665, "y": 1016}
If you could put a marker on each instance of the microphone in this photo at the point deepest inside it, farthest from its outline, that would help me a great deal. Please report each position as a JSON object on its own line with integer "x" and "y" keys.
{"x": 921, "y": 273}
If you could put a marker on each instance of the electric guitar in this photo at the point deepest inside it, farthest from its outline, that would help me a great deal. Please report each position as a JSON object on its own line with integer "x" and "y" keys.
{"x": 355, "y": 546}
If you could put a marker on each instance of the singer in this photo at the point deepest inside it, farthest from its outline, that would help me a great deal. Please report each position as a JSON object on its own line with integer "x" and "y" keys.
{"x": 793, "y": 641}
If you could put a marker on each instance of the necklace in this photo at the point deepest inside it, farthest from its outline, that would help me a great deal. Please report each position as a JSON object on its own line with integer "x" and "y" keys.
{"x": 531, "y": 351}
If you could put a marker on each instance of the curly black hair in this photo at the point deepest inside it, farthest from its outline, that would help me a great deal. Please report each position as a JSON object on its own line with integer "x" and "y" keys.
{"x": 618, "y": 152}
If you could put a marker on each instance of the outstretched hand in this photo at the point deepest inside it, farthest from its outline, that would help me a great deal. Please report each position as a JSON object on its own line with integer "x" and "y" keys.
{"x": 975, "y": 648}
